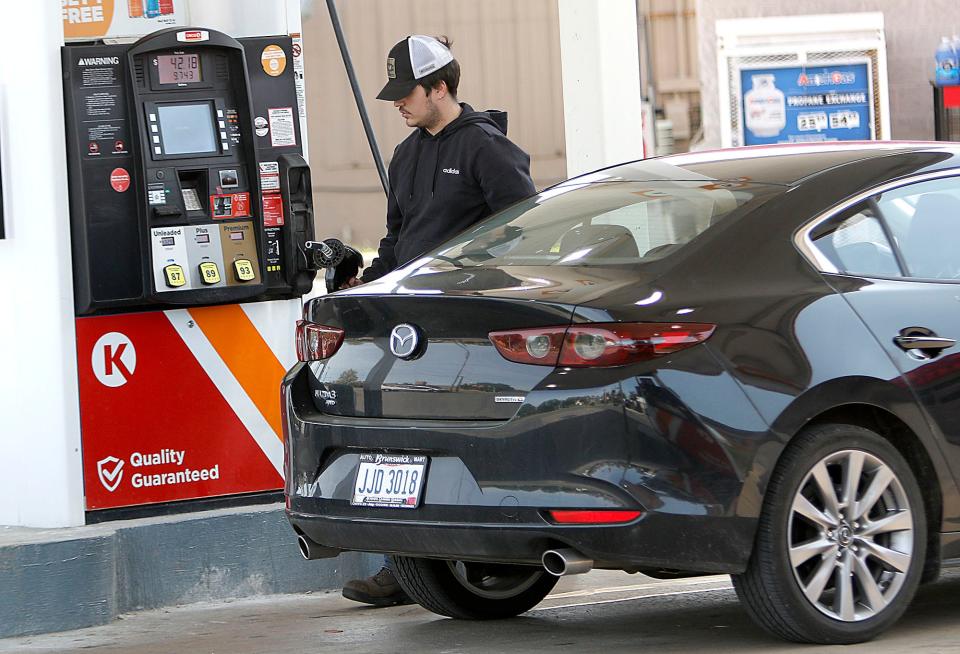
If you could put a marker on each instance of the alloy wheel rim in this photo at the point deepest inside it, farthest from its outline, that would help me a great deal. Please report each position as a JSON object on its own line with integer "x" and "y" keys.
{"x": 494, "y": 581}
{"x": 850, "y": 535}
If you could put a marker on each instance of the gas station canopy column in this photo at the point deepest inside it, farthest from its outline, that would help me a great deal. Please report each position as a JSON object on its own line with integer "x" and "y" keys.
{"x": 41, "y": 481}
{"x": 602, "y": 99}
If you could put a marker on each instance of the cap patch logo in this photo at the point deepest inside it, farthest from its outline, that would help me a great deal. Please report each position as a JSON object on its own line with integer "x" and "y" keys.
{"x": 391, "y": 68}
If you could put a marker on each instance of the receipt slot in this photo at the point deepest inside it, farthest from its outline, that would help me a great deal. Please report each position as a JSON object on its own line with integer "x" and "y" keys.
{"x": 180, "y": 150}
{"x": 190, "y": 205}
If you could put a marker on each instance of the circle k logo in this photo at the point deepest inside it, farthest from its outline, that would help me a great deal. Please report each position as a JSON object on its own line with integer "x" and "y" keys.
{"x": 114, "y": 359}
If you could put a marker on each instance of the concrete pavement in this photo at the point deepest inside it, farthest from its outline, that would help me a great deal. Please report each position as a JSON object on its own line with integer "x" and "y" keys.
{"x": 598, "y": 612}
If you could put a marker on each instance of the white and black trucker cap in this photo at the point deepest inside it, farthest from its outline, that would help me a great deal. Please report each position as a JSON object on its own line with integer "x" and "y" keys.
{"x": 412, "y": 59}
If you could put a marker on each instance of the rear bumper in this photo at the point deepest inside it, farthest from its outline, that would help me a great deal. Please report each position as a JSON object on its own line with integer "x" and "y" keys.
{"x": 696, "y": 544}
{"x": 489, "y": 483}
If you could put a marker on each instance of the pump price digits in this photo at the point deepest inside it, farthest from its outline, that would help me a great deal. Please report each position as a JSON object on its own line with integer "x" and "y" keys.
{"x": 179, "y": 69}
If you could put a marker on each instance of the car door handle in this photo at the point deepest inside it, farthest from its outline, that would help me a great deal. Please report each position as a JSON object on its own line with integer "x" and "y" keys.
{"x": 923, "y": 342}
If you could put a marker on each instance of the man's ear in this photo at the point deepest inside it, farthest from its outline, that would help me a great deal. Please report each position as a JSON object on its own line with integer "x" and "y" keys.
{"x": 440, "y": 89}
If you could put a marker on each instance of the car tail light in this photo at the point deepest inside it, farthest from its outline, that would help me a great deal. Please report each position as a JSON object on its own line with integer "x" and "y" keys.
{"x": 598, "y": 344}
{"x": 590, "y": 517}
{"x": 316, "y": 342}
{"x": 538, "y": 346}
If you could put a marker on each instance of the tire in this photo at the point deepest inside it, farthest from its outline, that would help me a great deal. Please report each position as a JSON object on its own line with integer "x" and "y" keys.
{"x": 795, "y": 584}
{"x": 472, "y": 591}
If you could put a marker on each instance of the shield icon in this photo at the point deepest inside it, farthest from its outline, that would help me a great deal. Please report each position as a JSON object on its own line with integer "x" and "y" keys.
{"x": 110, "y": 471}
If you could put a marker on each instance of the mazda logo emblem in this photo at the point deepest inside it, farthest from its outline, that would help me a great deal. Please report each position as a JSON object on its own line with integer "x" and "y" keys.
{"x": 404, "y": 341}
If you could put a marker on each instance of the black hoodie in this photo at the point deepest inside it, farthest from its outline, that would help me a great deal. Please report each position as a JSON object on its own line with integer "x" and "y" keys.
{"x": 442, "y": 184}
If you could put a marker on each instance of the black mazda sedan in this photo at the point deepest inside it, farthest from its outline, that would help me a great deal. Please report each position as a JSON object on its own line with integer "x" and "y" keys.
{"x": 735, "y": 362}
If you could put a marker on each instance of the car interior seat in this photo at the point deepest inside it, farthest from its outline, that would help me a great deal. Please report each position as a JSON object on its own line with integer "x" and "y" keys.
{"x": 855, "y": 244}
{"x": 607, "y": 241}
{"x": 867, "y": 258}
{"x": 931, "y": 247}
{"x": 683, "y": 216}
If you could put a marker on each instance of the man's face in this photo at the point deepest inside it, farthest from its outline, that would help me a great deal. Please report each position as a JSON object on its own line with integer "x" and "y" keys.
{"x": 418, "y": 108}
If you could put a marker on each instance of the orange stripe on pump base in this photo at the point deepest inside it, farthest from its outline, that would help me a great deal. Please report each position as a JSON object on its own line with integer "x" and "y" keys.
{"x": 247, "y": 355}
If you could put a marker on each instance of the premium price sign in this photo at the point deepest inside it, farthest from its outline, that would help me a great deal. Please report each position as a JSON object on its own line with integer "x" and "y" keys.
{"x": 804, "y": 104}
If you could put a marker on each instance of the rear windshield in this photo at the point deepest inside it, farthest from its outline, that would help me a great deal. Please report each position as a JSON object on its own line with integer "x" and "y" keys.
{"x": 600, "y": 223}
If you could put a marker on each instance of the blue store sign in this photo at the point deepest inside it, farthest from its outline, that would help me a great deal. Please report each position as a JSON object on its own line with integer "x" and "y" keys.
{"x": 803, "y": 104}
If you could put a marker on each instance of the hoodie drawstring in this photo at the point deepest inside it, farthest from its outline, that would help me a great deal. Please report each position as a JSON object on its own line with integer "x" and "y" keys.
{"x": 416, "y": 159}
{"x": 436, "y": 167}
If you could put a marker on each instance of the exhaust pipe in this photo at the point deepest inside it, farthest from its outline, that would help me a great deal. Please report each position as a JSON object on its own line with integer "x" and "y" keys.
{"x": 566, "y": 561}
{"x": 311, "y": 550}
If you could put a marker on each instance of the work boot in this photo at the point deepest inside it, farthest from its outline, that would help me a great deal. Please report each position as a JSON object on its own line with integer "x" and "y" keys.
{"x": 382, "y": 589}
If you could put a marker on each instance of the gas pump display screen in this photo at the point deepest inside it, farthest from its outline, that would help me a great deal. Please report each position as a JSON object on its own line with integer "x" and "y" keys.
{"x": 187, "y": 128}
{"x": 179, "y": 68}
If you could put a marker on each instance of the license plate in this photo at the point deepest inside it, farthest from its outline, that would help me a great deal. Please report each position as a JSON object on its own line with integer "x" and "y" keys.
{"x": 389, "y": 480}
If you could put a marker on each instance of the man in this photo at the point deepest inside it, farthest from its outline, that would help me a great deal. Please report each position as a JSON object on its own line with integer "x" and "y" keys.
{"x": 455, "y": 169}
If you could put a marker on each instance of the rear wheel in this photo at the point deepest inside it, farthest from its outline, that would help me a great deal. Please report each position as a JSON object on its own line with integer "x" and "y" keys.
{"x": 841, "y": 541}
{"x": 472, "y": 591}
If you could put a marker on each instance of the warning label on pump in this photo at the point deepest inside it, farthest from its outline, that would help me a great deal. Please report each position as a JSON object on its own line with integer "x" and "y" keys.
{"x": 104, "y": 132}
{"x": 269, "y": 176}
{"x": 120, "y": 180}
{"x": 99, "y": 76}
{"x": 282, "y": 133}
{"x": 260, "y": 125}
{"x": 230, "y": 205}
{"x": 298, "y": 80}
{"x": 272, "y": 259}
{"x": 274, "y": 60}
{"x": 272, "y": 202}
{"x": 103, "y": 103}
{"x": 272, "y": 210}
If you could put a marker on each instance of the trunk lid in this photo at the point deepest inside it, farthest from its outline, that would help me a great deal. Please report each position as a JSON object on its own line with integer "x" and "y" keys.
{"x": 456, "y": 373}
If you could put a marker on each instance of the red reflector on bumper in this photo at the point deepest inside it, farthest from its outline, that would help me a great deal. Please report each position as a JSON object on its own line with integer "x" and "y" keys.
{"x": 593, "y": 517}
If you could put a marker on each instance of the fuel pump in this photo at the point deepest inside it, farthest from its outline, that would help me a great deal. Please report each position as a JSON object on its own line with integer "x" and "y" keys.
{"x": 193, "y": 197}
{"x": 191, "y": 207}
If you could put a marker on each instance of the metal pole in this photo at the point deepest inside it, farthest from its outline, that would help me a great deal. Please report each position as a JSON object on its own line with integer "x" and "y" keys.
{"x": 361, "y": 107}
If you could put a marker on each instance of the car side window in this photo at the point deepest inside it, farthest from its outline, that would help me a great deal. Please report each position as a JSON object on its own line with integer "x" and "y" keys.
{"x": 856, "y": 244}
{"x": 924, "y": 219}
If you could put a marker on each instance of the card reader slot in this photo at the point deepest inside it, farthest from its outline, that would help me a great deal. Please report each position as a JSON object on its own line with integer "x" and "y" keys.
{"x": 193, "y": 189}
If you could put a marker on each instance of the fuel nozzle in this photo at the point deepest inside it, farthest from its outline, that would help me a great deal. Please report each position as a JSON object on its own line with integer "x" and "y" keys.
{"x": 340, "y": 261}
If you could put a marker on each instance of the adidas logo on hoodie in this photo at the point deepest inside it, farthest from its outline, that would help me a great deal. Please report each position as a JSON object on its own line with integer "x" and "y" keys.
{"x": 452, "y": 171}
